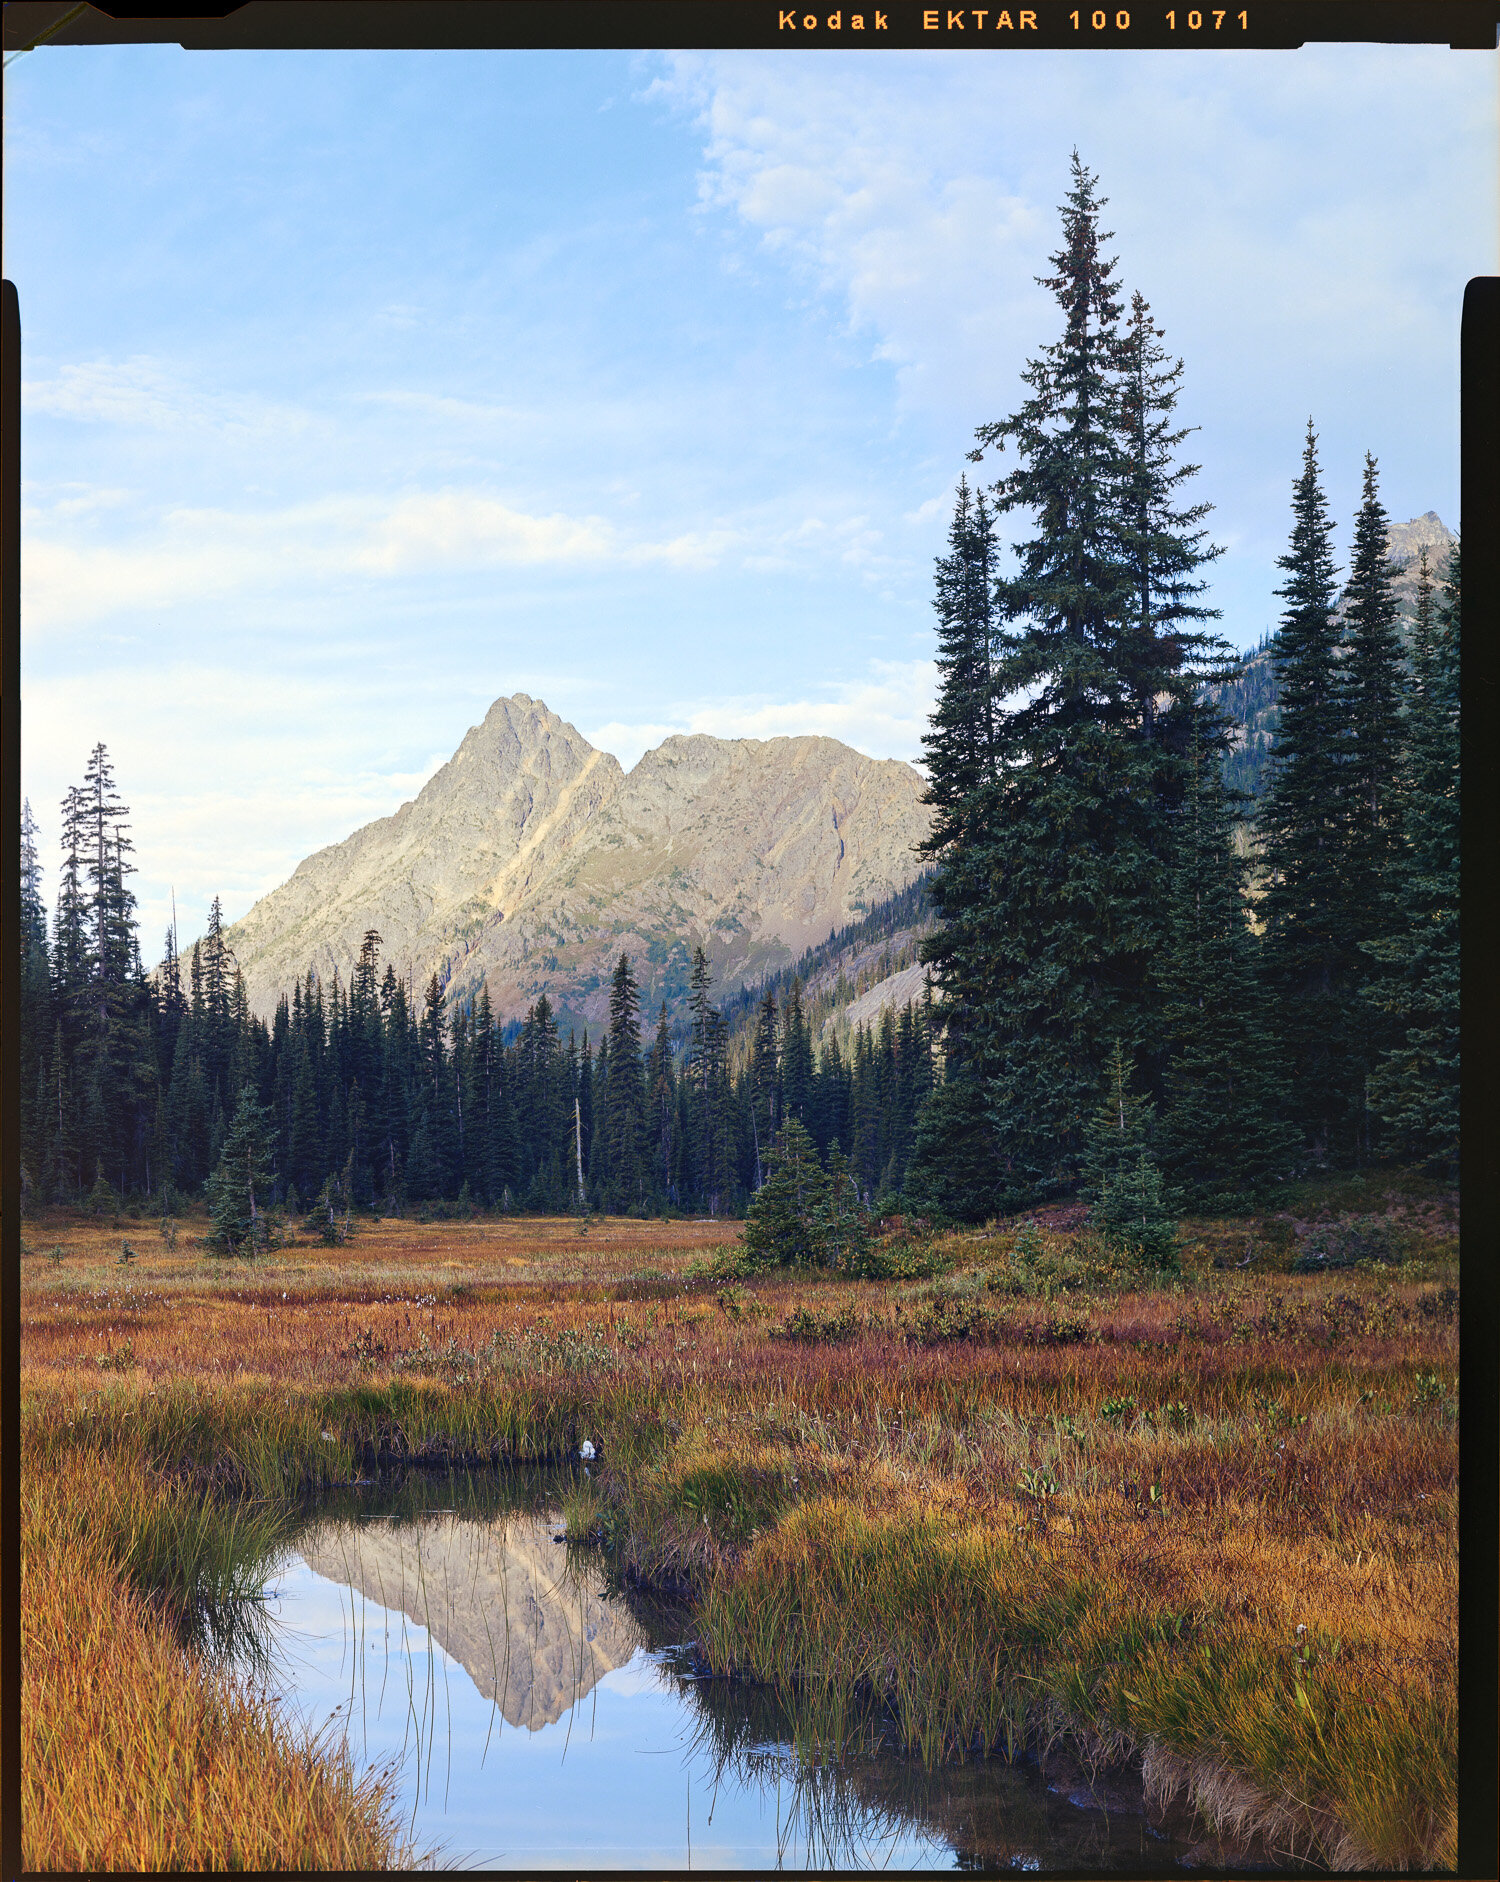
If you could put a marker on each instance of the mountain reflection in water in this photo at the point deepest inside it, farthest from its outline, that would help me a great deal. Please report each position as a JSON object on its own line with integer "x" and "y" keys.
{"x": 539, "y": 1720}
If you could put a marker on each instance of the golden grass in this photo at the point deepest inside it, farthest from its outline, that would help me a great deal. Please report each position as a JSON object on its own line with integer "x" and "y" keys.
{"x": 136, "y": 1753}
{"x": 1109, "y": 1511}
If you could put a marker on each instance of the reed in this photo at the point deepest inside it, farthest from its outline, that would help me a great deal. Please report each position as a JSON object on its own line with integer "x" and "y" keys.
{"x": 139, "y": 1751}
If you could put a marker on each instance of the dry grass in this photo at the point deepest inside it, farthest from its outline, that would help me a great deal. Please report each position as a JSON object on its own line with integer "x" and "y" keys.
{"x": 1211, "y": 1522}
{"x": 136, "y": 1752}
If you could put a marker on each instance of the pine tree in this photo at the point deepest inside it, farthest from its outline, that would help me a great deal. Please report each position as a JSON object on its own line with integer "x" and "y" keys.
{"x": 765, "y": 1082}
{"x": 1131, "y": 1206}
{"x": 1119, "y": 1129}
{"x": 661, "y": 1110}
{"x": 961, "y": 740}
{"x": 1163, "y": 546}
{"x": 1415, "y": 1088}
{"x": 37, "y": 1025}
{"x": 796, "y": 1065}
{"x": 708, "y": 1082}
{"x": 1303, "y": 822}
{"x": 842, "y": 1230}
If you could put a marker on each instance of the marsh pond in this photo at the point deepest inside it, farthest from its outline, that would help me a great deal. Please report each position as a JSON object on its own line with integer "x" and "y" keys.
{"x": 534, "y": 1716}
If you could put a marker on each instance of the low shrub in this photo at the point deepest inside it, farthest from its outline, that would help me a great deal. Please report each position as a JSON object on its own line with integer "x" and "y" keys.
{"x": 806, "y": 1323}
{"x": 1351, "y": 1239}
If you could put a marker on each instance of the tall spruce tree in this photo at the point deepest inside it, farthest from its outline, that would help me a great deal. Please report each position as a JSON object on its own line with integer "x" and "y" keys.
{"x": 37, "y": 1024}
{"x": 624, "y": 1098}
{"x": 765, "y": 1083}
{"x": 1096, "y": 663}
{"x": 1304, "y": 826}
{"x": 1374, "y": 683}
{"x": 1415, "y": 1088}
{"x": 954, "y": 1153}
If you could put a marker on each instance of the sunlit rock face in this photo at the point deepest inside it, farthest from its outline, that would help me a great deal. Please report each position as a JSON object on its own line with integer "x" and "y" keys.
{"x": 533, "y": 1634}
{"x": 531, "y": 861}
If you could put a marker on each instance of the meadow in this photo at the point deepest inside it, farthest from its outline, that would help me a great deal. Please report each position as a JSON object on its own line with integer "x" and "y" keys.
{"x": 1024, "y": 1495}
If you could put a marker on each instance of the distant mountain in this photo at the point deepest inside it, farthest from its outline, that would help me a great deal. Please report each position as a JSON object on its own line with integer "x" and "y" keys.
{"x": 849, "y": 979}
{"x": 1251, "y": 699}
{"x": 530, "y": 861}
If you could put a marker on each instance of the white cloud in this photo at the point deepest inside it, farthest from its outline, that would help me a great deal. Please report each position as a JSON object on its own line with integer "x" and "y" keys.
{"x": 143, "y": 394}
{"x": 1321, "y": 204}
{"x": 197, "y": 555}
{"x": 883, "y": 715}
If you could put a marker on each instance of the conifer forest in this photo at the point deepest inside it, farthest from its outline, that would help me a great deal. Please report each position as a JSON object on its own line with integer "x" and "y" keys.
{"x": 1146, "y": 986}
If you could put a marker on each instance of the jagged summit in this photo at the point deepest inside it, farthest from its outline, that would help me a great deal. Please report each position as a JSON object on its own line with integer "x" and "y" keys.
{"x": 530, "y": 860}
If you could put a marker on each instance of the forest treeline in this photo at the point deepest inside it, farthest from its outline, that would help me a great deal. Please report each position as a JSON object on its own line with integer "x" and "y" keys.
{"x": 1133, "y": 1003}
{"x": 145, "y": 1085}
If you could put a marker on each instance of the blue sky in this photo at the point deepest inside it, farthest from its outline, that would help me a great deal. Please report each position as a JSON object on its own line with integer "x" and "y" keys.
{"x": 362, "y": 388}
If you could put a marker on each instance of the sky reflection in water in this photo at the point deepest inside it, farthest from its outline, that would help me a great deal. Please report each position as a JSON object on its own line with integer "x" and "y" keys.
{"x": 534, "y": 1724}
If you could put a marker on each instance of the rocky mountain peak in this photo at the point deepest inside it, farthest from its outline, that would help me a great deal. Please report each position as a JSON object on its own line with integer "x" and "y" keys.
{"x": 531, "y": 860}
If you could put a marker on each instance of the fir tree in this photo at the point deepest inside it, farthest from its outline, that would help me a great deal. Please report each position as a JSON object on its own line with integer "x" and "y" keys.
{"x": 624, "y": 1100}
{"x": 37, "y": 1023}
{"x": 765, "y": 1082}
{"x": 1303, "y": 822}
{"x": 1052, "y": 897}
{"x": 1415, "y": 1088}
{"x": 1374, "y": 683}
{"x": 1163, "y": 546}
{"x": 661, "y": 1110}
{"x": 842, "y": 1230}
{"x": 961, "y": 740}
{"x": 784, "y": 1223}
{"x": 1119, "y": 1130}
{"x": 1221, "y": 1135}
{"x": 240, "y": 1187}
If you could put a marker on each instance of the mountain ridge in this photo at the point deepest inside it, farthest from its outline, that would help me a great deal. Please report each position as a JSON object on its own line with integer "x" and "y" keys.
{"x": 531, "y": 860}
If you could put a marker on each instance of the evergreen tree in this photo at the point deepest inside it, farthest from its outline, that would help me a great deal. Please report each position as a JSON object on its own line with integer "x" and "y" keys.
{"x": 240, "y": 1187}
{"x": 842, "y": 1230}
{"x": 37, "y": 1023}
{"x": 1131, "y": 1207}
{"x": 624, "y": 1101}
{"x": 1415, "y": 1088}
{"x": 961, "y": 741}
{"x": 1163, "y": 546}
{"x": 1119, "y": 1129}
{"x": 1374, "y": 683}
{"x": 784, "y": 1223}
{"x": 1221, "y": 1133}
{"x": 661, "y": 1110}
{"x": 765, "y": 1082}
{"x": 1303, "y": 822}
{"x": 1051, "y": 890}
{"x": 796, "y": 1063}
{"x": 711, "y": 1097}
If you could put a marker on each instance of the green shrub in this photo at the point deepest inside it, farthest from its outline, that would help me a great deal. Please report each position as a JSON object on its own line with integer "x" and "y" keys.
{"x": 806, "y": 1323}
{"x": 1350, "y": 1239}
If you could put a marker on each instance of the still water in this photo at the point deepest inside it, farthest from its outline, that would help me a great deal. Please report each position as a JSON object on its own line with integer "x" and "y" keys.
{"x": 537, "y": 1720}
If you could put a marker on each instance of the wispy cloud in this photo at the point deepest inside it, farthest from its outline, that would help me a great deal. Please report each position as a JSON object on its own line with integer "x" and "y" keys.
{"x": 197, "y": 555}
{"x": 882, "y": 714}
